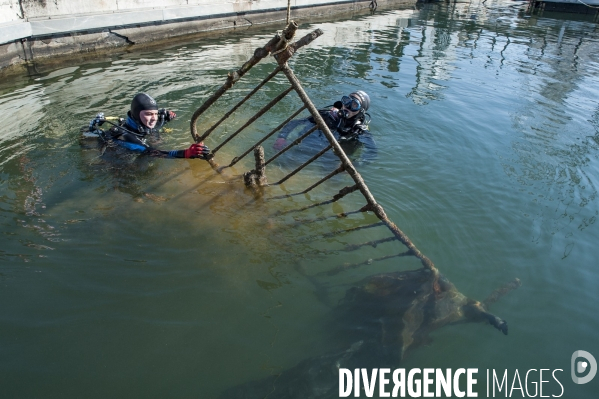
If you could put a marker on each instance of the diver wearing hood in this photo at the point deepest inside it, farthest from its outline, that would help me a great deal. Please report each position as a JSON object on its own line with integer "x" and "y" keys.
{"x": 144, "y": 121}
{"x": 348, "y": 121}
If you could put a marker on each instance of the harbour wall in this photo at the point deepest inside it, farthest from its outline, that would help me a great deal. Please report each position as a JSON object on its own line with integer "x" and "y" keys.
{"x": 32, "y": 30}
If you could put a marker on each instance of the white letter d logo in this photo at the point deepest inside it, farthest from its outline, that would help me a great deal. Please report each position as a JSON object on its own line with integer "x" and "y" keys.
{"x": 582, "y": 366}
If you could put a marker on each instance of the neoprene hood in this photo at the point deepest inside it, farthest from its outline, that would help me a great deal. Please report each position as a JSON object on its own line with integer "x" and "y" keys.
{"x": 142, "y": 102}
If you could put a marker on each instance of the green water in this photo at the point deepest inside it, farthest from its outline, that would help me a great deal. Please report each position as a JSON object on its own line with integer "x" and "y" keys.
{"x": 158, "y": 278}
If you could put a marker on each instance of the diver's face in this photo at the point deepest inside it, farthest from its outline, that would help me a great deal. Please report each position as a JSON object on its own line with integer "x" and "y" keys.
{"x": 351, "y": 106}
{"x": 148, "y": 118}
{"x": 350, "y": 114}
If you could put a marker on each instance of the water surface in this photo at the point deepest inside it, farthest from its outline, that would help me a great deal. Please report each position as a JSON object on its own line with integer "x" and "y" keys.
{"x": 157, "y": 278}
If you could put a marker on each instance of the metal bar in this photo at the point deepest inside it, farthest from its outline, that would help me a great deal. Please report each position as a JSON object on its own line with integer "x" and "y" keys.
{"x": 337, "y": 232}
{"x": 342, "y": 193}
{"x": 282, "y": 56}
{"x": 501, "y": 291}
{"x": 308, "y": 162}
{"x": 273, "y": 45}
{"x": 237, "y": 159}
{"x": 257, "y": 177}
{"x": 239, "y": 104}
{"x": 365, "y": 208}
{"x": 327, "y": 177}
{"x": 343, "y": 268}
{"x": 373, "y": 244}
{"x": 295, "y": 142}
{"x": 253, "y": 118}
{"x": 353, "y": 247}
{"x": 351, "y": 170}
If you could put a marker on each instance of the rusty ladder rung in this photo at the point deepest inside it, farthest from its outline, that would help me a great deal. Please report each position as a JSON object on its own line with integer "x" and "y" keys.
{"x": 254, "y": 118}
{"x": 240, "y": 103}
{"x": 276, "y": 129}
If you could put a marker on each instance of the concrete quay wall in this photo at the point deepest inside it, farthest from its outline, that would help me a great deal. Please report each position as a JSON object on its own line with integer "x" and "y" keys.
{"x": 34, "y": 29}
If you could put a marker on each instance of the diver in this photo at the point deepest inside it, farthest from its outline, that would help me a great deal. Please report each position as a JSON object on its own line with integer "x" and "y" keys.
{"x": 348, "y": 121}
{"x": 144, "y": 121}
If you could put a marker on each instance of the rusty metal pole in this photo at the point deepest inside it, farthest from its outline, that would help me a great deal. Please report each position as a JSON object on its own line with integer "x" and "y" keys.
{"x": 351, "y": 170}
{"x": 257, "y": 177}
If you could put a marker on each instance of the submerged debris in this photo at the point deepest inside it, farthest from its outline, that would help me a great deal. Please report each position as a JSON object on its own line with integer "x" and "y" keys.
{"x": 380, "y": 318}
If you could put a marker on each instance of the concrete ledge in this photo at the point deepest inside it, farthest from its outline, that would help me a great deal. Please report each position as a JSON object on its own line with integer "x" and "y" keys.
{"x": 48, "y": 27}
{"x": 37, "y": 27}
{"x": 9, "y": 32}
{"x": 45, "y": 38}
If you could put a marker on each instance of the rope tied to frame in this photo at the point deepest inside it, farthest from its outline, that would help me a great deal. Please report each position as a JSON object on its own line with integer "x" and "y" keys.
{"x": 283, "y": 40}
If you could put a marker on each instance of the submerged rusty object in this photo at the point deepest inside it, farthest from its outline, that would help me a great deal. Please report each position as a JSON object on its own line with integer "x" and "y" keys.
{"x": 349, "y": 266}
{"x": 371, "y": 243}
{"x": 382, "y": 316}
{"x": 302, "y": 166}
{"x": 340, "y": 169}
{"x": 365, "y": 208}
{"x": 338, "y": 232}
{"x": 501, "y": 291}
{"x": 342, "y": 193}
{"x": 256, "y": 177}
{"x": 379, "y": 320}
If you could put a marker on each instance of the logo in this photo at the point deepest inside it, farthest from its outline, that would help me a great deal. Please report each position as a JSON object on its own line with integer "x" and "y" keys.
{"x": 579, "y": 366}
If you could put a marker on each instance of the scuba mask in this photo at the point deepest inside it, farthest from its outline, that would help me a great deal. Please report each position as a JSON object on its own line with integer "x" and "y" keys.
{"x": 351, "y": 103}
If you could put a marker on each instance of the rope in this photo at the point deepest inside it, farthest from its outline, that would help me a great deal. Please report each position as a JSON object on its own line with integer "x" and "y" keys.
{"x": 288, "y": 11}
{"x": 284, "y": 40}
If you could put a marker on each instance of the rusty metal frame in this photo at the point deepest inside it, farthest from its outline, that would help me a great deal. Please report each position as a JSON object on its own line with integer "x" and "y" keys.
{"x": 262, "y": 111}
{"x": 281, "y": 49}
{"x": 276, "y": 129}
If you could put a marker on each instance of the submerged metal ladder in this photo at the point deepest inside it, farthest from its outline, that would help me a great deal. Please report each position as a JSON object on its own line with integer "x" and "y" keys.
{"x": 282, "y": 49}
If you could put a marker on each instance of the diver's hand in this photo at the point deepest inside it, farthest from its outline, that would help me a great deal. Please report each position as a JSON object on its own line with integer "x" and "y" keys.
{"x": 280, "y": 144}
{"x": 197, "y": 150}
{"x": 167, "y": 114}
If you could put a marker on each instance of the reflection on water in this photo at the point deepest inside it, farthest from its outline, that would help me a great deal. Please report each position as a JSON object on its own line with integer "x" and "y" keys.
{"x": 156, "y": 277}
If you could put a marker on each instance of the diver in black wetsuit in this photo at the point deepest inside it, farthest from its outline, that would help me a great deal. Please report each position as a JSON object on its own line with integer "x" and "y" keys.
{"x": 143, "y": 122}
{"x": 347, "y": 120}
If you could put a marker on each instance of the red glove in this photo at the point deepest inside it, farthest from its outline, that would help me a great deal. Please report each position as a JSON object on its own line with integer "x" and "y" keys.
{"x": 197, "y": 150}
{"x": 280, "y": 144}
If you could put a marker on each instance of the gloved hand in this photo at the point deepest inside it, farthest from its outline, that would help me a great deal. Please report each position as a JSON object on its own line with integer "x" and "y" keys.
{"x": 167, "y": 114}
{"x": 334, "y": 114}
{"x": 280, "y": 144}
{"x": 197, "y": 150}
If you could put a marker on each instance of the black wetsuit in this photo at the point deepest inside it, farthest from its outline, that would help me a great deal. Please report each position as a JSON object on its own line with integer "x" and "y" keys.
{"x": 133, "y": 136}
{"x": 351, "y": 133}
